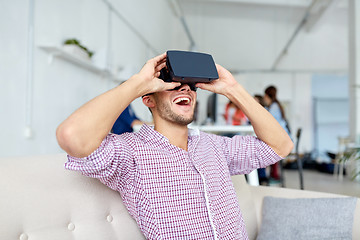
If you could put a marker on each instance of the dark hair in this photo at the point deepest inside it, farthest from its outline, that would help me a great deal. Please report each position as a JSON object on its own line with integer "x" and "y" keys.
{"x": 271, "y": 92}
{"x": 261, "y": 99}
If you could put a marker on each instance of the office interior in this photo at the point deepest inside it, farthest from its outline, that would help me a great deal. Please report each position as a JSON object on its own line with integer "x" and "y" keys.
{"x": 306, "y": 48}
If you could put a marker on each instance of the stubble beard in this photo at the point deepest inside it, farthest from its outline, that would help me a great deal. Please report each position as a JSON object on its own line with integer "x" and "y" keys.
{"x": 166, "y": 113}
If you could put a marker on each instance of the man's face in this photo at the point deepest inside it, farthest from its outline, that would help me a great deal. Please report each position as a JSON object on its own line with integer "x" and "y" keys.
{"x": 176, "y": 106}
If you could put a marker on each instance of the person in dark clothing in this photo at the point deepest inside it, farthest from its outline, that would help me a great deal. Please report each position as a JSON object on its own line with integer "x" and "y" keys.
{"x": 126, "y": 121}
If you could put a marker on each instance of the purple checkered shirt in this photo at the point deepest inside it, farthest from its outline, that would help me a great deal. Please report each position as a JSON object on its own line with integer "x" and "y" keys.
{"x": 177, "y": 194}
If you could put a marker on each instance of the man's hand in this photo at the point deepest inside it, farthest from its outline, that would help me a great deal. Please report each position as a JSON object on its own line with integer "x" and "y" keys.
{"x": 147, "y": 79}
{"x": 222, "y": 85}
{"x": 265, "y": 126}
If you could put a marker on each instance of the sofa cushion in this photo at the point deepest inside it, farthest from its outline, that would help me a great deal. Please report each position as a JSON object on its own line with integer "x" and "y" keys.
{"x": 246, "y": 202}
{"x": 307, "y": 218}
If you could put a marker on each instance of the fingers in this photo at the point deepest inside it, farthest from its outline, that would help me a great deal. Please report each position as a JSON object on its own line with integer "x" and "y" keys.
{"x": 220, "y": 70}
{"x": 154, "y": 65}
{"x": 223, "y": 72}
{"x": 172, "y": 85}
{"x": 199, "y": 85}
{"x": 158, "y": 63}
{"x": 205, "y": 86}
{"x": 161, "y": 86}
{"x": 160, "y": 66}
{"x": 158, "y": 59}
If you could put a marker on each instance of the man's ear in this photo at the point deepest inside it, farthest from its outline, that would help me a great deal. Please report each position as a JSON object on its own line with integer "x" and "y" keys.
{"x": 148, "y": 101}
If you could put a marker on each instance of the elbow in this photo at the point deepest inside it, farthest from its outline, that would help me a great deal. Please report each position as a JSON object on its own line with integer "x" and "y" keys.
{"x": 67, "y": 140}
{"x": 64, "y": 137}
{"x": 286, "y": 148}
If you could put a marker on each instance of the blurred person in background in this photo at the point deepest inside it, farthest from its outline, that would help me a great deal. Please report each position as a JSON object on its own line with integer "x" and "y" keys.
{"x": 233, "y": 115}
{"x": 277, "y": 111}
{"x": 126, "y": 121}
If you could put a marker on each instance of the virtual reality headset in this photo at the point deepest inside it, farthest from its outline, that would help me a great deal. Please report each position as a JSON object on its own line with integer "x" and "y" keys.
{"x": 189, "y": 67}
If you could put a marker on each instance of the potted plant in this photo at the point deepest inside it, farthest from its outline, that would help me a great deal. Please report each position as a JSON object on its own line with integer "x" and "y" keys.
{"x": 351, "y": 156}
{"x": 74, "y": 46}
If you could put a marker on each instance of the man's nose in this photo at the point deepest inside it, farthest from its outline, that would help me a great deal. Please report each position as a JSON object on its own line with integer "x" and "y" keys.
{"x": 184, "y": 87}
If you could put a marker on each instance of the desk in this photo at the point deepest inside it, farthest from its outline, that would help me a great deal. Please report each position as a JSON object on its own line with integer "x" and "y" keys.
{"x": 252, "y": 177}
{"x": 223, "y": 129}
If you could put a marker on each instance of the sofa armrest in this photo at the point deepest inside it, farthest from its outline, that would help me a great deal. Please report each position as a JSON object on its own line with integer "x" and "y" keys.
{"x": 259, "y": 192}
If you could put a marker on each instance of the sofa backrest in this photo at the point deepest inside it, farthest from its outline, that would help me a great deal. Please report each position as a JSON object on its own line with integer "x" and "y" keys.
{"x": 39, "y": 199}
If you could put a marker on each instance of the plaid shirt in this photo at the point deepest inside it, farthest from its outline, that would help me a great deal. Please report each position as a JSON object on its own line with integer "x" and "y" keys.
{"x": 177, "y": 194}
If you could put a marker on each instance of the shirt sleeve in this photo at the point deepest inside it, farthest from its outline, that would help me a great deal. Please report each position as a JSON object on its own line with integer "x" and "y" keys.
{"x": 246, "y": 153}
{"x": 112, "y": 163}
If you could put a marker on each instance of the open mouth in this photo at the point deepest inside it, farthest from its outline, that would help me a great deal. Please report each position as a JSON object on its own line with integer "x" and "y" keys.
{"x": 183, "y": 101}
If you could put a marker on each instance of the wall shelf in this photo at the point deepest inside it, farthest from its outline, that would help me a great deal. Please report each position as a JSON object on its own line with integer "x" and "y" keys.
{"x": 81, "y": 62}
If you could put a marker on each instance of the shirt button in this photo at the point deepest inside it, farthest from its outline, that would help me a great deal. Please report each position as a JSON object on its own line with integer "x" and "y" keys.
{"x": 109, "y": 218}
{"x": 24, "y": 236}
{"x": 71, "y": 227}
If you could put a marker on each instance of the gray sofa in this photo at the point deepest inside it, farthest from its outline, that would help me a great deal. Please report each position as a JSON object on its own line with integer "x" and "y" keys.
{"x": 42, "y": 200}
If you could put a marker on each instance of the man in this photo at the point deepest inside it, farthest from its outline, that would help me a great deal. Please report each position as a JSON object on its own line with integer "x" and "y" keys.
{"x": 175, "y": 182}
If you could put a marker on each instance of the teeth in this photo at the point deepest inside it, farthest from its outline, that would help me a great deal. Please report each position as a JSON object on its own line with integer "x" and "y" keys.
{"x": 187, "y": 100}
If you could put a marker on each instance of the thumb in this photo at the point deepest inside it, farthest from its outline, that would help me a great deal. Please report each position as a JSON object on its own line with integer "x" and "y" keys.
{"x": 205, "y": 86}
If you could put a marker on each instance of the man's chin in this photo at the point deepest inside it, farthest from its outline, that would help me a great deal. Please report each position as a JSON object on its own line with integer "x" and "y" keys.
{"x": 183, "y": 121}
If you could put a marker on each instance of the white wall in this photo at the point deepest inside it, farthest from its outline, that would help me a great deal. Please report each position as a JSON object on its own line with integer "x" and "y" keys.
{"x": 13, "y": 48}
{"x": 251, "y": 37}
{"x": 61, "y": 87}
{"x": 324, "y": 47}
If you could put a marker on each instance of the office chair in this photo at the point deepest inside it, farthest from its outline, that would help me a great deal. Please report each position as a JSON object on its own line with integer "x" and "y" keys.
{"x": 298, "y": 160}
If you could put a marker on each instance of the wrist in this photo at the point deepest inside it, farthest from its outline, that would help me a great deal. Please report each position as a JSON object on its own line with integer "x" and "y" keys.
{"x": 135, "y": 86}
{"x": 234, "y": 92}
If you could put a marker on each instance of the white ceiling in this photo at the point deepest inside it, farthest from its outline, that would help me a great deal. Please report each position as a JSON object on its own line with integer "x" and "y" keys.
{"x": 253, "y": 35}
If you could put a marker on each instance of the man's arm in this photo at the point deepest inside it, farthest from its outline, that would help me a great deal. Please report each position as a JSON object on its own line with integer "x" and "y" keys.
{"x": 83, "y": 131}
{"x": 265, "y": 126}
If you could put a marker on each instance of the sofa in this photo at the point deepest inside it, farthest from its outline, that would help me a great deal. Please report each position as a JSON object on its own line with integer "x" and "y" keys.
{"x": 42, "y": 200}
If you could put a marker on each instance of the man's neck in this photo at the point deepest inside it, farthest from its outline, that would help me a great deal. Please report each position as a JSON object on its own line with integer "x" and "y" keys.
{"x": 177, "y": 134}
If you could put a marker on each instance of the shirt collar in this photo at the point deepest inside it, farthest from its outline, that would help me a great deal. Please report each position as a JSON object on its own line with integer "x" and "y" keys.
{"x": 194, "y": 132}
{"x": 148, "y": 132}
